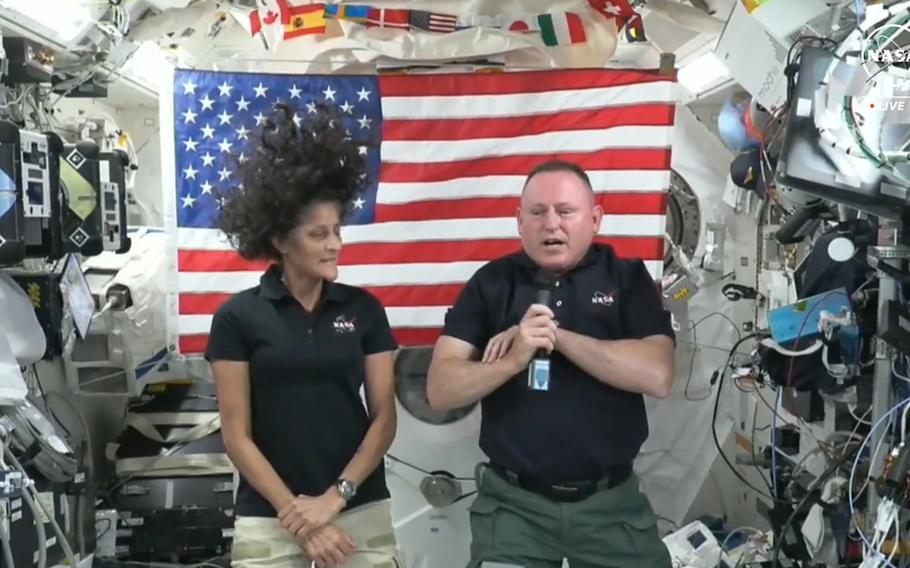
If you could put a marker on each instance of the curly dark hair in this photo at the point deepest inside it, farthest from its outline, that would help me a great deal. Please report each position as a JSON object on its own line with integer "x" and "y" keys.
{"x": 292, "y": 168}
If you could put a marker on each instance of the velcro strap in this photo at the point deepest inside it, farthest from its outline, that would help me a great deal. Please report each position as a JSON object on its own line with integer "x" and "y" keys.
{"x": 205, "y": 424}
{"x": 170, "y": 465}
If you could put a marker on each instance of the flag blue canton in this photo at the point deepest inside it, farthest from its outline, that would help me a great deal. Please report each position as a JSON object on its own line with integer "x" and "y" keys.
{"x": 217, "y": 118}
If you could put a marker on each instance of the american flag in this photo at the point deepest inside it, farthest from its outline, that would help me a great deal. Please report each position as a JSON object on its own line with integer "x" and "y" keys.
{"x": 423, "y": 20}
{"x": 454, "y": 152}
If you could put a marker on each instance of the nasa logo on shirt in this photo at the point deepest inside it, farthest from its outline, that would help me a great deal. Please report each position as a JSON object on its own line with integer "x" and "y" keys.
{"x": 602, "y": 299}
{"x": 343, "y": 325}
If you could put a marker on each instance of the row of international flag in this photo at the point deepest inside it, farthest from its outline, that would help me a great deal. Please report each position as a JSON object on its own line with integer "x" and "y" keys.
{"x": 277, "y": 20}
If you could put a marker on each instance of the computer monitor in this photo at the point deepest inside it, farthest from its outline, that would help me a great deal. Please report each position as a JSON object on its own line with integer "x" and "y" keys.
{"x": 805, "y": 166}
{"x": 77, "y": 295}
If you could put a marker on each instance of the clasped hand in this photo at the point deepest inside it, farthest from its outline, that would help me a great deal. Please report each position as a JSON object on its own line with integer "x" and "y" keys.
{"x": 305, "y": 514}
{"x": 536, "y": 330}
{"x": 308, "y": 520}
{"x": 328, "y": 546}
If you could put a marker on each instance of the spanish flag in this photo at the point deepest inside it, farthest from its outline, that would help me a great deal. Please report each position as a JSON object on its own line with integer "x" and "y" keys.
{"x": 301, "y": 20}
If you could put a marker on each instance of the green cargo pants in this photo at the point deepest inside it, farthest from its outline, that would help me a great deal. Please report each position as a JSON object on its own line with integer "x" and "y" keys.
{"x": 613, "y": 528}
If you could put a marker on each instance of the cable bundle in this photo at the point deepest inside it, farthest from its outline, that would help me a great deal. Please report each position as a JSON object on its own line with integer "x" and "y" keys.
{"x": 56, "y": 460}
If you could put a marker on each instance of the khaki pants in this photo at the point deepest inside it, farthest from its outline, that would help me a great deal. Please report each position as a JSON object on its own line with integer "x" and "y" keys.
{"x": 260, "y": 542}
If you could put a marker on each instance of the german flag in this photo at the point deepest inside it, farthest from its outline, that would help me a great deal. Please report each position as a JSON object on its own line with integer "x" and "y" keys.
{"x": 302, "y": 20}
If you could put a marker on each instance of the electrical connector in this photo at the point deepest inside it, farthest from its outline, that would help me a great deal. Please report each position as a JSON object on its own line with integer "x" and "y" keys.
{"x": 885, "y": 516}
{"x": 11, "y": 484}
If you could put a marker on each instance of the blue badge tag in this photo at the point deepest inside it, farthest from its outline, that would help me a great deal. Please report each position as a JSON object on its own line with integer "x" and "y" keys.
{"x": 539, "y": 375}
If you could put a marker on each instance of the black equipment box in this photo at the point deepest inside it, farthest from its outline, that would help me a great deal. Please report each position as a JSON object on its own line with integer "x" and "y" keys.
{"x": 190, "y": 535}
{"x": 185, "y": 516}
{"x": 28, "y": 62}
{"x": 94, "y": 87}
{"x": 176, "y": 396}
{"x": 43, "y": 288}
{"x": 24, "y": 537}
{"x": 81, "y": 187}
{"x": 12, "y": 214}
{"x": 40, "y": 171}
{"x": 113, "y": 166}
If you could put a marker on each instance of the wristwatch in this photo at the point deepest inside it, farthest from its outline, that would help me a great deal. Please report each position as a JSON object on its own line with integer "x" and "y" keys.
{"x": 346, "y": 488}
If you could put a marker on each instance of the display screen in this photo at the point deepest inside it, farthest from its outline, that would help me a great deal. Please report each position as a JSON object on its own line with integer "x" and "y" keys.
{"x": 78, "y": 295}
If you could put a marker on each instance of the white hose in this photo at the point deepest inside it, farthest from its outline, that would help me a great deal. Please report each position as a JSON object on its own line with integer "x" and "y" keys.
{"x": 786, "y": 352}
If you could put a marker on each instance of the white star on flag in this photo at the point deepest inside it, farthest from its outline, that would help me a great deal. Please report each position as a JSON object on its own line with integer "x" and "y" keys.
{"x": 220, "y": 125}
{"x": 189, "y": 88}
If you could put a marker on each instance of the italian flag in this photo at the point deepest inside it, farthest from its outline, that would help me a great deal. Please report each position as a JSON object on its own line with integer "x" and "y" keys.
{"x": 561, "y": 28}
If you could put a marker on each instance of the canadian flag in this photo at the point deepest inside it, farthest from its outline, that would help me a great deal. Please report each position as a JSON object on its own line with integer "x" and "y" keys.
{"x": 266, "y": 19}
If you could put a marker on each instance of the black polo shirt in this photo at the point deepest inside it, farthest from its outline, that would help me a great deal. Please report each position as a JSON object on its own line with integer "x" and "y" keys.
{"x": 580, "y": 426}
{"x": 306, "y": 371}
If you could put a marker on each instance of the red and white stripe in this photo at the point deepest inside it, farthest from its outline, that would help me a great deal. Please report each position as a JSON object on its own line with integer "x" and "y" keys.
{"x": 441, "y": 22}
{"x": 455, "y": 153}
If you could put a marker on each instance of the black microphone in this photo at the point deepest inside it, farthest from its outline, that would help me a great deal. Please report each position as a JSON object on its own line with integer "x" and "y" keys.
{"x": 539, "y": 369}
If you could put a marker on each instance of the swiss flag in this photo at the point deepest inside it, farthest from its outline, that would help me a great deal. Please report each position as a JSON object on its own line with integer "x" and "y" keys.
{"x": 619, "y": 10}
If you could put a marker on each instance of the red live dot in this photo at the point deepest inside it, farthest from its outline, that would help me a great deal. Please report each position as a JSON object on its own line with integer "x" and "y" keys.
{"x": 871, "y": 105}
